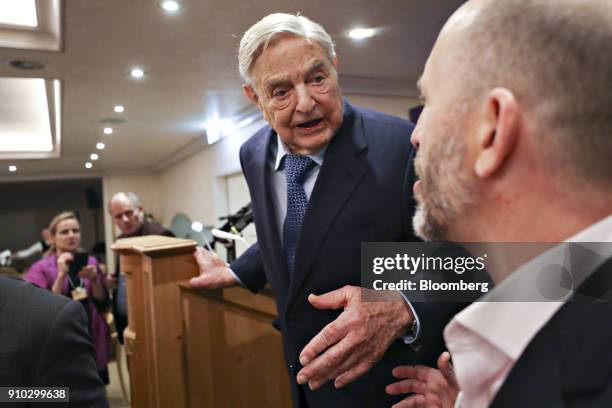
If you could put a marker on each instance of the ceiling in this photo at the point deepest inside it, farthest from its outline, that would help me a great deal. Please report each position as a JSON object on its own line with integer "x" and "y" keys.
{"x": 191, "y": 69}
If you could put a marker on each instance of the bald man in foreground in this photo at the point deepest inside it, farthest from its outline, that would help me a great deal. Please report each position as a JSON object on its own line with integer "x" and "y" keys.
{"x": 515, "y": 145}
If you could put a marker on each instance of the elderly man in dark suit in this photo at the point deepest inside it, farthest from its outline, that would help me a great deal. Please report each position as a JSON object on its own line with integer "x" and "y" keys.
{"x": 515, "y": 145}
{"x": 324, "y": 177}
{"x": 44, "y": 342}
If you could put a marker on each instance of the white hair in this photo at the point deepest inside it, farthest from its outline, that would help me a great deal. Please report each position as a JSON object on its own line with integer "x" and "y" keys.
{"x": 132, "y": 198}
{"x": 257, "y": 38}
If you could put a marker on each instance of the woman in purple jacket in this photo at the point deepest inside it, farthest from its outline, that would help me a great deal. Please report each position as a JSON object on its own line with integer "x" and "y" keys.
{"x": 86, "y": 286}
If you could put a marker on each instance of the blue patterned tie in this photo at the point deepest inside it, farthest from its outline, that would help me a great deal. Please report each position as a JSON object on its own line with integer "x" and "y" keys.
{"x": 296, "y": 168}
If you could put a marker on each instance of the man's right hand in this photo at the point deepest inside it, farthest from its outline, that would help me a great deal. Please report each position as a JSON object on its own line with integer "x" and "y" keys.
{"x": 214, "y": 273}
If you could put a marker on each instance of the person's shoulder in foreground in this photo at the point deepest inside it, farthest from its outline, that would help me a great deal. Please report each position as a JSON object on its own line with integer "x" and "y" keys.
{"x": 45, "y": 343}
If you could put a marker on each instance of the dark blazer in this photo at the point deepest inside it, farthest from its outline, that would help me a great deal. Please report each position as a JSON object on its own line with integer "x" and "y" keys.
{"x": 569, "y": 362}
{"x": 44, "y": 342}
{"x": 363, "y": 193}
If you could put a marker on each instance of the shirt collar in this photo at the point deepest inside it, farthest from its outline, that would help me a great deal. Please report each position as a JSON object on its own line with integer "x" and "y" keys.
{"x": 282, "y": 150}
{"x": 522, "y": 320}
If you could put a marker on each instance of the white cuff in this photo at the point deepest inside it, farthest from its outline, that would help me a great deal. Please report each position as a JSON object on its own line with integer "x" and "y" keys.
{"x": 411, "y": 335}
{"x": 237, "y": 278}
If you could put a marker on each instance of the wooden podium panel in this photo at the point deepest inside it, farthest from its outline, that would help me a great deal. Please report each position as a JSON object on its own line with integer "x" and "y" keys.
{"x": 196, "y": 348}
{"x": 153, "y": 267}
{"x": 234, "y": 355}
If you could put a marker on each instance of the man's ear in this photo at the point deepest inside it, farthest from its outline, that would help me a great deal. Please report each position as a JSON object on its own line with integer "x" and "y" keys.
{"x": 336, "y": 61}
{"x": 249, "y": 92}
{"x": 499, "y": 132}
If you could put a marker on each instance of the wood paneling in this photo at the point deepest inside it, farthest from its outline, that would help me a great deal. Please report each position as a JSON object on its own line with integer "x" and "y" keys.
{"x": 196, "y": 348}
{"x": 234, "y": 354}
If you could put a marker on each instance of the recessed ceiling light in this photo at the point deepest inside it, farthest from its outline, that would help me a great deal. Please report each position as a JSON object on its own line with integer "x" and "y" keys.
{"x": 88, "y": 165}
{"x": 361, "y": 33}
{"x": 137, "y": 73}
{"x": 108, "y": 131}
{"x": 119, "y": 109}
{"x": 171, "y": 6}
{"x": 94, "y": 156}
{"x": 100, "y": 146}
{"x": 12, "y": 168}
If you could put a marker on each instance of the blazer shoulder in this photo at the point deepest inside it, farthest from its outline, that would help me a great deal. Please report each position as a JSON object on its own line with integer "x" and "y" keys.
{"x": 27, "y": 315}
{"x": 255, "y": 142}
{"x": 29, "y": 297}
{"x": 386, "y": 135}
{"x": 384, "y": 120}
{"x": 19, "y": 298}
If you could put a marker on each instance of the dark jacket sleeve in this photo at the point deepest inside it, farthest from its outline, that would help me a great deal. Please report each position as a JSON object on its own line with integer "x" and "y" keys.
{"x": 68, "y": 360}
{"x": 249, "y": 269}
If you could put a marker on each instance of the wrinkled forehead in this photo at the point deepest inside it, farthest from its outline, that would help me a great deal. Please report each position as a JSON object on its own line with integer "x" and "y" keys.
{"x": 289, "y": 55}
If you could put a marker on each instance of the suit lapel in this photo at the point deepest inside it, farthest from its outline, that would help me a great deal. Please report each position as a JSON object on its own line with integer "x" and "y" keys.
{"x": 535, "y": 377}
{"x": 343, "y": 168}
{"x": 267, "y": 231}
{"x": 550, "y": 369}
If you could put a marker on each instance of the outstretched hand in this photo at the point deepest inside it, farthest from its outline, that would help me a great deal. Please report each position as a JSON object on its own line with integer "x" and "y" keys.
{"x": 214, "y": 272}
{"x": 430, "y": 388}
{"x": 350, "y": 345}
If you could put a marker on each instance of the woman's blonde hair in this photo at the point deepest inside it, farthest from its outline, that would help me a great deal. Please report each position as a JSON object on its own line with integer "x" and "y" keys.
{"x": 63, "y": 216}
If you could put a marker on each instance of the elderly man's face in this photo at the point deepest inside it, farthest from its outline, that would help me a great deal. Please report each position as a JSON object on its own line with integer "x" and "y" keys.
{"x": 296, "y": 87}
{"x": 126, "y": 217}
{"x": 445, "y": 186}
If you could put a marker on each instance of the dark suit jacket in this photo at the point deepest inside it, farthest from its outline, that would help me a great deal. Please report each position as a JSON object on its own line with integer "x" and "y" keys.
{"x": 363, "y": 193}
{"x": 44, "y": 342}
{"x": 569, "y": 362}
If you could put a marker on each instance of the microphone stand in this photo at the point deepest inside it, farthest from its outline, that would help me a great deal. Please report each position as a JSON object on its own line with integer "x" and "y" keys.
{"x": 234, "y": 224}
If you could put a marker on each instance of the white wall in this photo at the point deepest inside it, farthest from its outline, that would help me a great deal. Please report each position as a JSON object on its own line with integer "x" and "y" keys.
{"x": 196, "y": 185}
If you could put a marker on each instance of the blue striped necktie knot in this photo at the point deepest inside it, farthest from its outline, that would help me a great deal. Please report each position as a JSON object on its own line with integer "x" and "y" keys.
{"x": 296, "y": 169}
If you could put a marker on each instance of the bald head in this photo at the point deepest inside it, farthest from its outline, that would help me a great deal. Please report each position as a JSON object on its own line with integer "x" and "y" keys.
{"x": 555, "y": 57}
{"x": 516, "y": 130}
{"x": 126, "y": 211}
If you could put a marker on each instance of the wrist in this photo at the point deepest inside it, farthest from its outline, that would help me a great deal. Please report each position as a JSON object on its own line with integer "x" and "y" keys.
{"x": 408, "y": 321}
{"x": 406, "y": 317}
{"x": 59, "y": 280}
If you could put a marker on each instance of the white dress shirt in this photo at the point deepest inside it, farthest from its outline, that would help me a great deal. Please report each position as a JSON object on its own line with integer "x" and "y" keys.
{"x": 488, "y": 337}
{"x": 279, "y": 181}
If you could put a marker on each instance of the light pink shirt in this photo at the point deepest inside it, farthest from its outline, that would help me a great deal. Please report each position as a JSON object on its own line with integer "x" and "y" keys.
{"x": 488, "y": 337}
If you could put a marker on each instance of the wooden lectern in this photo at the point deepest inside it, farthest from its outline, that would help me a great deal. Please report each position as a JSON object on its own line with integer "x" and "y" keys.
{"x": 153, "y": 267}
{"x": 196, "y": 348}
